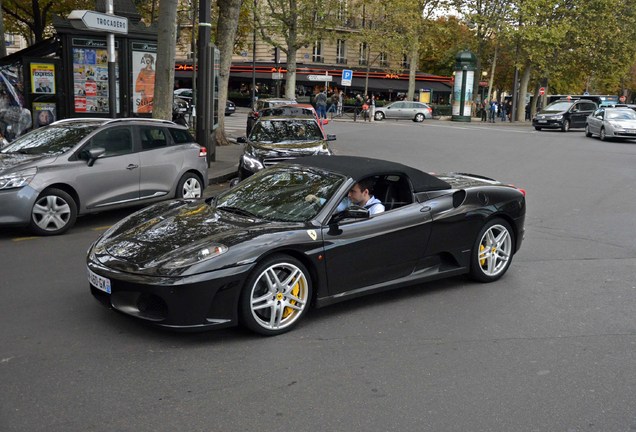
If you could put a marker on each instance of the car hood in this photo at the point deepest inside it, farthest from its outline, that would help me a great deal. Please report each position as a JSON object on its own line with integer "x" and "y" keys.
{"x": 291, "y": 148}
{"x": 12, "y": 162}
{"x": 145, "y": 241}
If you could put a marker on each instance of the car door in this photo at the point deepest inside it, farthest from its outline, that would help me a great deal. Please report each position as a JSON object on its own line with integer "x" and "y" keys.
{"x": 408, "y": 113}
{"x": 360, "y": 253}
{"x": 578, "y": 115}
{"x": 394, "y": 110}
{"x": 595, "y": 121}
{"x": 114, "y": 177}
{"x": 160, "y": 161}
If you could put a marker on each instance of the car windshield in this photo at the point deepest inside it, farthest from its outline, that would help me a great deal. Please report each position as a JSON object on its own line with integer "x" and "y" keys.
{"x": 558, "y": 106}
{"x": 51, "y": 140}
{"x": 279, "y": 194}
{"x": 286, "y": 130}
{"x": 621, "y": 115}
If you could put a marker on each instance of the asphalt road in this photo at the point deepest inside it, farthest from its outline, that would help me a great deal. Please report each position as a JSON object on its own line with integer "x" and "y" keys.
{"x": 550, "y": 347}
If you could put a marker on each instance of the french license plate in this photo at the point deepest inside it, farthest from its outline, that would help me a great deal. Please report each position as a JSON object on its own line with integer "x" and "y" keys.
{"x": 101, "y": 283}
{"x": 543, "y": 121}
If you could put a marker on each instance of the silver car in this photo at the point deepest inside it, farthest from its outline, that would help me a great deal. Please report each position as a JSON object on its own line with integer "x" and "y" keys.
{"x": 76, "y": 166}
{"x": 611, "y": 123}
{"x": 403, "y": 110}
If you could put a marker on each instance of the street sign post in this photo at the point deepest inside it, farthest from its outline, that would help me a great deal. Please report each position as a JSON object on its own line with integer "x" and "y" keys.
{"x": 347, "y": 76}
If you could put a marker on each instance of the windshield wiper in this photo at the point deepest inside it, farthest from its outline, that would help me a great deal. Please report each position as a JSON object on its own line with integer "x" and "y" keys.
{"x": 237, "y": 210}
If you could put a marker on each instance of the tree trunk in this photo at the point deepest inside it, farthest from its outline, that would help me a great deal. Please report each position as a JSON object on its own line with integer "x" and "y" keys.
{"x": 227, "y": 26}
{"x": 413, "y": 56}
{"x": 166, "y": 51}
{"x": 523, "y": 90}
{"x": 492, "y": 74}
{"x": 290, "y": 82}
{"x": 3, "y": 45}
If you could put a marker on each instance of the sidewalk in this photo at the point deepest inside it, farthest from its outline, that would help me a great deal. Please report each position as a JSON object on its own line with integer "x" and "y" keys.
{"x": 225, "y": 166}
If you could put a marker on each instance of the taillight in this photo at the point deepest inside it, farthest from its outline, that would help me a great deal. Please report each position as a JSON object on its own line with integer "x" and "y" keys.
{"x": 523, "y": 191}
{"x": 203, "y": 152}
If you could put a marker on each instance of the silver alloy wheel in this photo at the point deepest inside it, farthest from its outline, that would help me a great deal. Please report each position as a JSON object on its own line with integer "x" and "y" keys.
{"x": 419, "y": 117}
{"x": 279, "y": 296}
{"x": 191, "y": 188}
{"x": 588, "y": 132}
{"x": 51, "y": 213}
{"x": 379, "y": 116}
{"x": 495, "y": 250}
{"x": 602, "y": 135}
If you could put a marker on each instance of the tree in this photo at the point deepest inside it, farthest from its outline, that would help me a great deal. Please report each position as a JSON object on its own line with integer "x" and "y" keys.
{"x": 166, "y": 51}
{"x": 292, "y": 24}
{"x": 31, "y": 19}
{"x": 226, "y": 30}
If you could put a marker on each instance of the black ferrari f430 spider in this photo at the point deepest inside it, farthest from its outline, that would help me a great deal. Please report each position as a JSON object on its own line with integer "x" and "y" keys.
{"x": 261, "y": 253}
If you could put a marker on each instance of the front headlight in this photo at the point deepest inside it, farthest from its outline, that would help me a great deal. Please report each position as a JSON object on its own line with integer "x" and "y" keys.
{"x": 194, "y": 256}
{"x": 252, "y": 163}
{"x": 616, "y": 125}
{"x": 557, "y": 117}
{"x": 17, "y": 179}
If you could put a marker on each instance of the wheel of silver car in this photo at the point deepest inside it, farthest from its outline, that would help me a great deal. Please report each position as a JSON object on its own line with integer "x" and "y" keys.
{"x": 587, "y": 131}
{"x": 492, "y": 252}
{"x": 602, "y": 135}
{"x": 566, "y": 126}
{"x": 379, "y": 116}
{"x": 189, "y": 186}
{"x": 276, "y": 295}
{"x": 53, "y": 213}
{"x": 419, "y": 117}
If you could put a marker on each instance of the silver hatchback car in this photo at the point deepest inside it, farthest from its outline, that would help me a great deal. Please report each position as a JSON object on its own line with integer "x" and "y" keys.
{"x": 77, "y": 166}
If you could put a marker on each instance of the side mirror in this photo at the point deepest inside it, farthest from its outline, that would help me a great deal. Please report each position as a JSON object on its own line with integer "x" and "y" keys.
{"x": 241, "y": 140}
{"x": 91, "y": 155}
{"x": 331, "y": 137}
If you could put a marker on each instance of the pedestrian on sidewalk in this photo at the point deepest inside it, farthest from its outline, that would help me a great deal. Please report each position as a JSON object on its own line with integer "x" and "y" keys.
{"x": 321, "y": 105}
{"x": 357, "y": 107}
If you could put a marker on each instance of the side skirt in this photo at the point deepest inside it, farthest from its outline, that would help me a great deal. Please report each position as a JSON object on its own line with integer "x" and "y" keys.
{"x": 425, "y": 275}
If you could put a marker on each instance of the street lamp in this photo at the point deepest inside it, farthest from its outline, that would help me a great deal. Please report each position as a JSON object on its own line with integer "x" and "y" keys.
{"x": 484, "y": 74}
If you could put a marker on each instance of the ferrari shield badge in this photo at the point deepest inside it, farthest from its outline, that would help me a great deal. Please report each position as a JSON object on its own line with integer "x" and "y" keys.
{"x": 312, "y": 234}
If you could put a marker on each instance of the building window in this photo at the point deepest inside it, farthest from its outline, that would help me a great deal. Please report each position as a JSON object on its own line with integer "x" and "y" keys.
{"x": 317, "y": 52}
{"x": 383, "y": 59}
{"x": 342, "y": 11}
{"x": 341, "y": 53}
{"x": 362, "y": 60}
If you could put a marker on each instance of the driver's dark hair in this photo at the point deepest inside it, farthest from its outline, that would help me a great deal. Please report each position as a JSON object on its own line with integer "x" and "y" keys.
{"x": 366, "y": 183}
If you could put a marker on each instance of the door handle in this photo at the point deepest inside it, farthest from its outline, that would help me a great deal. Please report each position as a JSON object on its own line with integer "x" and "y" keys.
{"x": 132, "y": 167}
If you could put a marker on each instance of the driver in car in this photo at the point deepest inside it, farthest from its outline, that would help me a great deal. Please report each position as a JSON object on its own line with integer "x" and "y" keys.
{"x": 360, "y": 195}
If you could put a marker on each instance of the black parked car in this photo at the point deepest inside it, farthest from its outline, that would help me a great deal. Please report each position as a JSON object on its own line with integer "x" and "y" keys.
{"x": 261, "y": 253}
{"x": 276, "y": 139}
{"x": 564, "y": 114}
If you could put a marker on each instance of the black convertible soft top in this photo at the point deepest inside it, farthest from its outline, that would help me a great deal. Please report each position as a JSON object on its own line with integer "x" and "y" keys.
{"x": 361, "y": 167}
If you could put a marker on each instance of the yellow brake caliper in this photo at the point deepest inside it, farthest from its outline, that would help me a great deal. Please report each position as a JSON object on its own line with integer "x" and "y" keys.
{"x": 295, "y": 290}
{"x": 482, "y": 261}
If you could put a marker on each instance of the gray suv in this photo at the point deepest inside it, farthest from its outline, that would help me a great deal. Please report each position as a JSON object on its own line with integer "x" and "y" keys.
{"x": 76, "y": 166}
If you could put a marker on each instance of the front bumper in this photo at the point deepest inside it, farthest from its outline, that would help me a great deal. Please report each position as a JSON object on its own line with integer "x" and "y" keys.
{"x": 16, "y": 205}
{"x": 198, "y": 302}
{"x": 548, "y": 123}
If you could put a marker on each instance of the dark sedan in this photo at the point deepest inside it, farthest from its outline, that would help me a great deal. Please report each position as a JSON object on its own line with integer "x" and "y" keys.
{"x": 277, "y": 139}
{"x": 261, "y": 253}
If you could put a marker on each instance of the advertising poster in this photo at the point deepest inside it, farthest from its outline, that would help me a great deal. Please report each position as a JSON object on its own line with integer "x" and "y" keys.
{"x": 43, "y": 78}
{"x": 468, "y": 95}
{"x": 90, "y": 77}
{"x": 43, "y": 114}
{"x": 143, "y": 65}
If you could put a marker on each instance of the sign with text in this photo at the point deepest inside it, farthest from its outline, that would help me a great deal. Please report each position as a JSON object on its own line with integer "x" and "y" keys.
{"x": 319, "y": 77}
{"x": 92, "y": 20}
